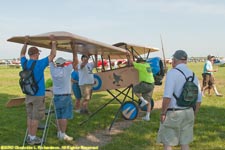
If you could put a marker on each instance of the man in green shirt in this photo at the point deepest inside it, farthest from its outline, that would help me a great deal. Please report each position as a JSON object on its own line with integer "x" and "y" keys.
{"x": 144, "y": 89}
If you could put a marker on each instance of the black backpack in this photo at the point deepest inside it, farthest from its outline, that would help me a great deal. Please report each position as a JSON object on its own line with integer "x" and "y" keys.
{"x": 27, "y": 81}
{"x": 189, "y": 94}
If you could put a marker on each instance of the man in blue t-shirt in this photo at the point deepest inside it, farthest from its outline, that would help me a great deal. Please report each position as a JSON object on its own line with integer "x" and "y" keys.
{"x": 35, "y": 104}
{"x": 208, "y": 81}
{"x": 76, "y": 89}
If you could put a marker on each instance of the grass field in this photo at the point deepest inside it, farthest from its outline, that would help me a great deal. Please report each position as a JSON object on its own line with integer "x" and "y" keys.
{"x": 209, "y": 127}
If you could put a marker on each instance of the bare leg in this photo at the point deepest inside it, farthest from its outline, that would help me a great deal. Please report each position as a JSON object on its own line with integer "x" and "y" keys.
{"x": 204, "y": 89}
{"x": 62, "y": 125}
{"x": 167, "y": 147}
{"x": 84, "y": 104}
{"x": 216, "y": 92}
{"x": 32, "y": 126}
{"x": 185, "y": 147}
{"x": 77, "y": 105}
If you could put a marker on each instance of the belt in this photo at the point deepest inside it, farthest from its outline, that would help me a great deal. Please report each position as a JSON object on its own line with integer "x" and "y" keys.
{"x": 176, "y": 109}
{"x": 145, "y": 82}
{"x": 62, "y": 94}
{"x": 206, "y": 74}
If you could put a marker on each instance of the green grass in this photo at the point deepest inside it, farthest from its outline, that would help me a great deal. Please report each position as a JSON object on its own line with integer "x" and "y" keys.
{"x": 209, "y": 130}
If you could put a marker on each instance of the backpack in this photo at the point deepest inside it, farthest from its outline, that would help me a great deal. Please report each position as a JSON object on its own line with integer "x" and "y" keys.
{"x": 189, "y": 94}
{"x": 158, "y": 69}
{"x": 27, "y": 81}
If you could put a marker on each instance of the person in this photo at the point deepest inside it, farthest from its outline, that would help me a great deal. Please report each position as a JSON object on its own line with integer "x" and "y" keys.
{"x": 208, "y": 82}
{"x": 35, "y": 104}
{"x": 119, "y": 64}
{"x": 86, "y": 81}
{"x": 176, "y": 123}
{"x": 144, "y": 89}
{"x": 76, "y": 90}
{"x": 62, "y": 94}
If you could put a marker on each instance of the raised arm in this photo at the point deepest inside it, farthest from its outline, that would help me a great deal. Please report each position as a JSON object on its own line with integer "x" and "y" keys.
{"x": 129, "y": 58}
{"x": 96, "y": 60}
{"x": 53, "y": 50}
{"x": 75, "y": 58}
{"x": 24, "y": 49}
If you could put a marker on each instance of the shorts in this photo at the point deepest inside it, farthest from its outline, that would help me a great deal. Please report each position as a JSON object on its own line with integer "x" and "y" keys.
{"x": 208, "y": 80}
{"x": 177, "y": 129}
{"x": 35, "y": 107}
{"x": 76, "y": 91}
{"x": 86, "y": 91}
{"x": 63, "y": 107}
{"x": 146, "y": 89}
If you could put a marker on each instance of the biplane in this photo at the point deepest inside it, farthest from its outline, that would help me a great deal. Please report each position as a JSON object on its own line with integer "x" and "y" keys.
{"x": 120, "y": 79}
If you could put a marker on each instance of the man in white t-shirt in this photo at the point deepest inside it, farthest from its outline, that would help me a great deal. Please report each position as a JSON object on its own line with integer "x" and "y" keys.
{"x": 62, "y": 95}
{"x": 177, "y": 122}
{"x": 86, "y": 81}
{"x": 61, "y": 76}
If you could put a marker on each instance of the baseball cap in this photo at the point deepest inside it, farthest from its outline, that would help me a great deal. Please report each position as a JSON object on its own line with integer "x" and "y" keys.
{"x": 140, "y": 60}
{"x": 210, "y": 56}
{"x": 60, "y": 61}
{"x": 180, "y": 55}
{"x": 33, "y": 50}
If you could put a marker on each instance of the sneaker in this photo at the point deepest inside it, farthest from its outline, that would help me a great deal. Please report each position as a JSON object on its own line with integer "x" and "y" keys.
{"x": 85, "y": 111}
{"x": 67, "y": 138}
{"x": 28, "y": 139}
{"x": 35, "y": 141}
{"x": 220, "y": 95}
{"x": 77, "y": 111}
{"x": 145, "y": 119}
{"x": 143, "y": 103}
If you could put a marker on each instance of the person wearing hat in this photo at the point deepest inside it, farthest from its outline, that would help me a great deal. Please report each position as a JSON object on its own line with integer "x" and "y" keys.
{"x": 62, "y": 93}
{"x": 208, "y": 82}
{"x": 176, "y": 122}
{"x": 35, "y": 104}
{"x": 86, "y": 81}
{"x": 144, "y": 89}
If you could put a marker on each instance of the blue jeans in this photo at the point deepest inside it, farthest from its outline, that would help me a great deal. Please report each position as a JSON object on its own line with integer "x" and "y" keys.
{"x": 63, "y": 107}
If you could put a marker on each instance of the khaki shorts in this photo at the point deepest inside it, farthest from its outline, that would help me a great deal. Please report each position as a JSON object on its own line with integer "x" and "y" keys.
{"x": 177, "y": 129}
{"x": 35, "y": 106}
{"x": 145, "y": 89}
{"x": 208, "y": 80}
{"x": 86, "y": 91}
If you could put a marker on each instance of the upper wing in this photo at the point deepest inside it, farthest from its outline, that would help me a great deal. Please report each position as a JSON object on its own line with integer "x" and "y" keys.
{"x": 136, "y": 50}
{"x": 83, "y": 45}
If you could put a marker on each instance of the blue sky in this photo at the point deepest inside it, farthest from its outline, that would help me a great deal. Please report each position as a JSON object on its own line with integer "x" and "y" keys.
{"x": 197, "y": 26}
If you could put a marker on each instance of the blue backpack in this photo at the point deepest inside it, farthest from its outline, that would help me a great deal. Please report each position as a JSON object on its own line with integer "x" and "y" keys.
{"x": 158, "y": 69}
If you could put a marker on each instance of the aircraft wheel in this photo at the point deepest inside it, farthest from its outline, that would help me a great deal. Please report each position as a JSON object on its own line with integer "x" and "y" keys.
{"x": 129, "y": 110}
